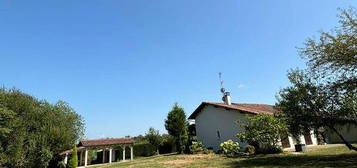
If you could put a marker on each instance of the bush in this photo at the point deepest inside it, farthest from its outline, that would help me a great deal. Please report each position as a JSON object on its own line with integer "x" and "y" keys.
{"x": 262, "y": 131}
{"x": 74, "y": 160}
{"x": 208, "y": 151}
{"x": 144, "y": 149}
{"x": 270, "y": 149}
{"x": 230, "y": 148}
{"x": 249, "y": 149}
{"x": 198, "y": 148}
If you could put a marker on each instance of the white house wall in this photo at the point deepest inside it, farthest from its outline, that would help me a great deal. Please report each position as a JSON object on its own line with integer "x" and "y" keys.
{"x": 212, "y": 119}
{"x": 293, "y": 141}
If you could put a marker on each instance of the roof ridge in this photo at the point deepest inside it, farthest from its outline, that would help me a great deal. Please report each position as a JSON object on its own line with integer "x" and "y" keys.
{"x": 247, "y": 107}
{"x": 238, "y": 103}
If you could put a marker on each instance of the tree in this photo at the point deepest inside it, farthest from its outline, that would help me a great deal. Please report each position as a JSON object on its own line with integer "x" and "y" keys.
{"x": 332, "y": 59}
{"x": 154, "y": 138}
{"x": 74, "y": 160}
{"x": 263, "y": 131}
{"x": 176, "y": 125}
{"x": 308, "y": 106}
{"x": 324, "y": 95}
{"x": 33, "y": 132}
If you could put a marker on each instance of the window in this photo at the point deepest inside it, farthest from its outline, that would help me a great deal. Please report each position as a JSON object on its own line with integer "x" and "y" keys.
{"x": 218, "y": 135}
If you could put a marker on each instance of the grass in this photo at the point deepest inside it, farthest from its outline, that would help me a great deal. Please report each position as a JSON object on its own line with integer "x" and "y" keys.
{"x": 320, "y": 157}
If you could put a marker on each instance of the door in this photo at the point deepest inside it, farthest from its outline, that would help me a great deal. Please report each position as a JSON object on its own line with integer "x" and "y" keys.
{"x": 308, "y": 140}
{"x": 285, "y": 140}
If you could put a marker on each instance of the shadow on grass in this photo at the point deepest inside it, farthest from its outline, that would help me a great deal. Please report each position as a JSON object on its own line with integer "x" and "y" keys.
{"x": 342, "y": 160}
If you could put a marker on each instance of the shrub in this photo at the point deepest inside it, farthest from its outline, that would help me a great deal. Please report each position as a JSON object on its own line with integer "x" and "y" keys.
{"x": 208, "y": 151}
{"x": 262, "y": 131}
{"x": 168, "y": 145}
{"x": 144, "y": 149}
{"x": 197, "y": 148}
{"x": 230, "y": 148}
{"x": 249, "y": 149}
{"x": 269, "y": 149}
{"x": 74, "y": 160}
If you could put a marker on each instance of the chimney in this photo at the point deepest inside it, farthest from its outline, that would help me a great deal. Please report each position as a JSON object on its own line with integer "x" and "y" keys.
{"x": 227, "y": 98}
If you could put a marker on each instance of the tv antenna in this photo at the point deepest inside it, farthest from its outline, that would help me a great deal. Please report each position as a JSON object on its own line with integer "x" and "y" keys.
{"x": 223, "y": 91}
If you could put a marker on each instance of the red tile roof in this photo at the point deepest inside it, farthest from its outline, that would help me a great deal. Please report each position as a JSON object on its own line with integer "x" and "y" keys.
{"x": 84, "y": 144}
{"x": 243, "y": 107}
{"x": 104, "y": 142}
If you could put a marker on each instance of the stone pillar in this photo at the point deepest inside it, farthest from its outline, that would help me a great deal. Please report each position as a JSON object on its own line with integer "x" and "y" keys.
{"x": 123, "y": 152}
{"x": 110, "y": 155}
{"x": 86, "y": 157}
{"x": 103, "y": 155}
{"x": 65, "y": 158}
{"x": 131, "y": 152}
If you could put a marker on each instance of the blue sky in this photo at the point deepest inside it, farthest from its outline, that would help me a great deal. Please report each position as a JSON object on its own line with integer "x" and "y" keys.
{"x": 123, "y": 63}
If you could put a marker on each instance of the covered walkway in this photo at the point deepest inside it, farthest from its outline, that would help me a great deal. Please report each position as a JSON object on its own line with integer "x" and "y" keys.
{"x": 105, "y": 149}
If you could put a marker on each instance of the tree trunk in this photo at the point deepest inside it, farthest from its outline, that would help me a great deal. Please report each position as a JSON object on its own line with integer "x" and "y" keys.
{"x": 349, "y": 145}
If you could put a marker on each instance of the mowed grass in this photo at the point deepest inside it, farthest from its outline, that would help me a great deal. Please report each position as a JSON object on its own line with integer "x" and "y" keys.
{"x": 322, "y": 156}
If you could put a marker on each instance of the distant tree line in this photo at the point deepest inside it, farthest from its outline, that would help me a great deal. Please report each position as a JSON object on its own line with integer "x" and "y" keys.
{"x": 33, "y": 132}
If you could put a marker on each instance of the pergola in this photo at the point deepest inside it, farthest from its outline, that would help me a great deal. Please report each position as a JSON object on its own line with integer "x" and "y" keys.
{"x": 100, "y": 145}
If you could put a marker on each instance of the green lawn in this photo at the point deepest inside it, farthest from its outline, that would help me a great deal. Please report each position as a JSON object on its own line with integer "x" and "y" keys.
{"x": 320, "y": 157}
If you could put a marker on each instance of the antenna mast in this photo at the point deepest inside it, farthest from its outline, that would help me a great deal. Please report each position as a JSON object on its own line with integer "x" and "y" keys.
{"x": 226, "y": 95}
{"x": 221, "y": 82}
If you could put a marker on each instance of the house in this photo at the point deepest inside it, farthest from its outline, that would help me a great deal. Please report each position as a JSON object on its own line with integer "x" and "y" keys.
{"x": 215, "y": 122}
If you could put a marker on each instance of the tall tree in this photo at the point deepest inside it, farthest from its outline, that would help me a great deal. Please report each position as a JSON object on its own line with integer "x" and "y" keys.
{"x": 33, "y": 132}
{"x": 324, "y": 95}
{"x": 154, "y": 138}
{"x": 176, "y": 125}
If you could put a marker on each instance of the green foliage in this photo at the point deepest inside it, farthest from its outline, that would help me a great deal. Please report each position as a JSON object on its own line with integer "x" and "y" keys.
{"x": 33, "y": 131}
{"x": 332, "y": 57}
{"x": 168, "y": 144}
{"x": 74, "y": 159}
{"x": 154, "y": 138}
{"x": 198, "y": 148}
{"x": 230, "y": 148}
{"x": 262, "y": 131}
{"x": 249, "y": 149}
{"x": 61, "y": 164}
{"x": 324, "y": 95}
{"x": 92, "y": 156}
{"x": 176, "y": 125}
{"x": 144, "y": 149}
